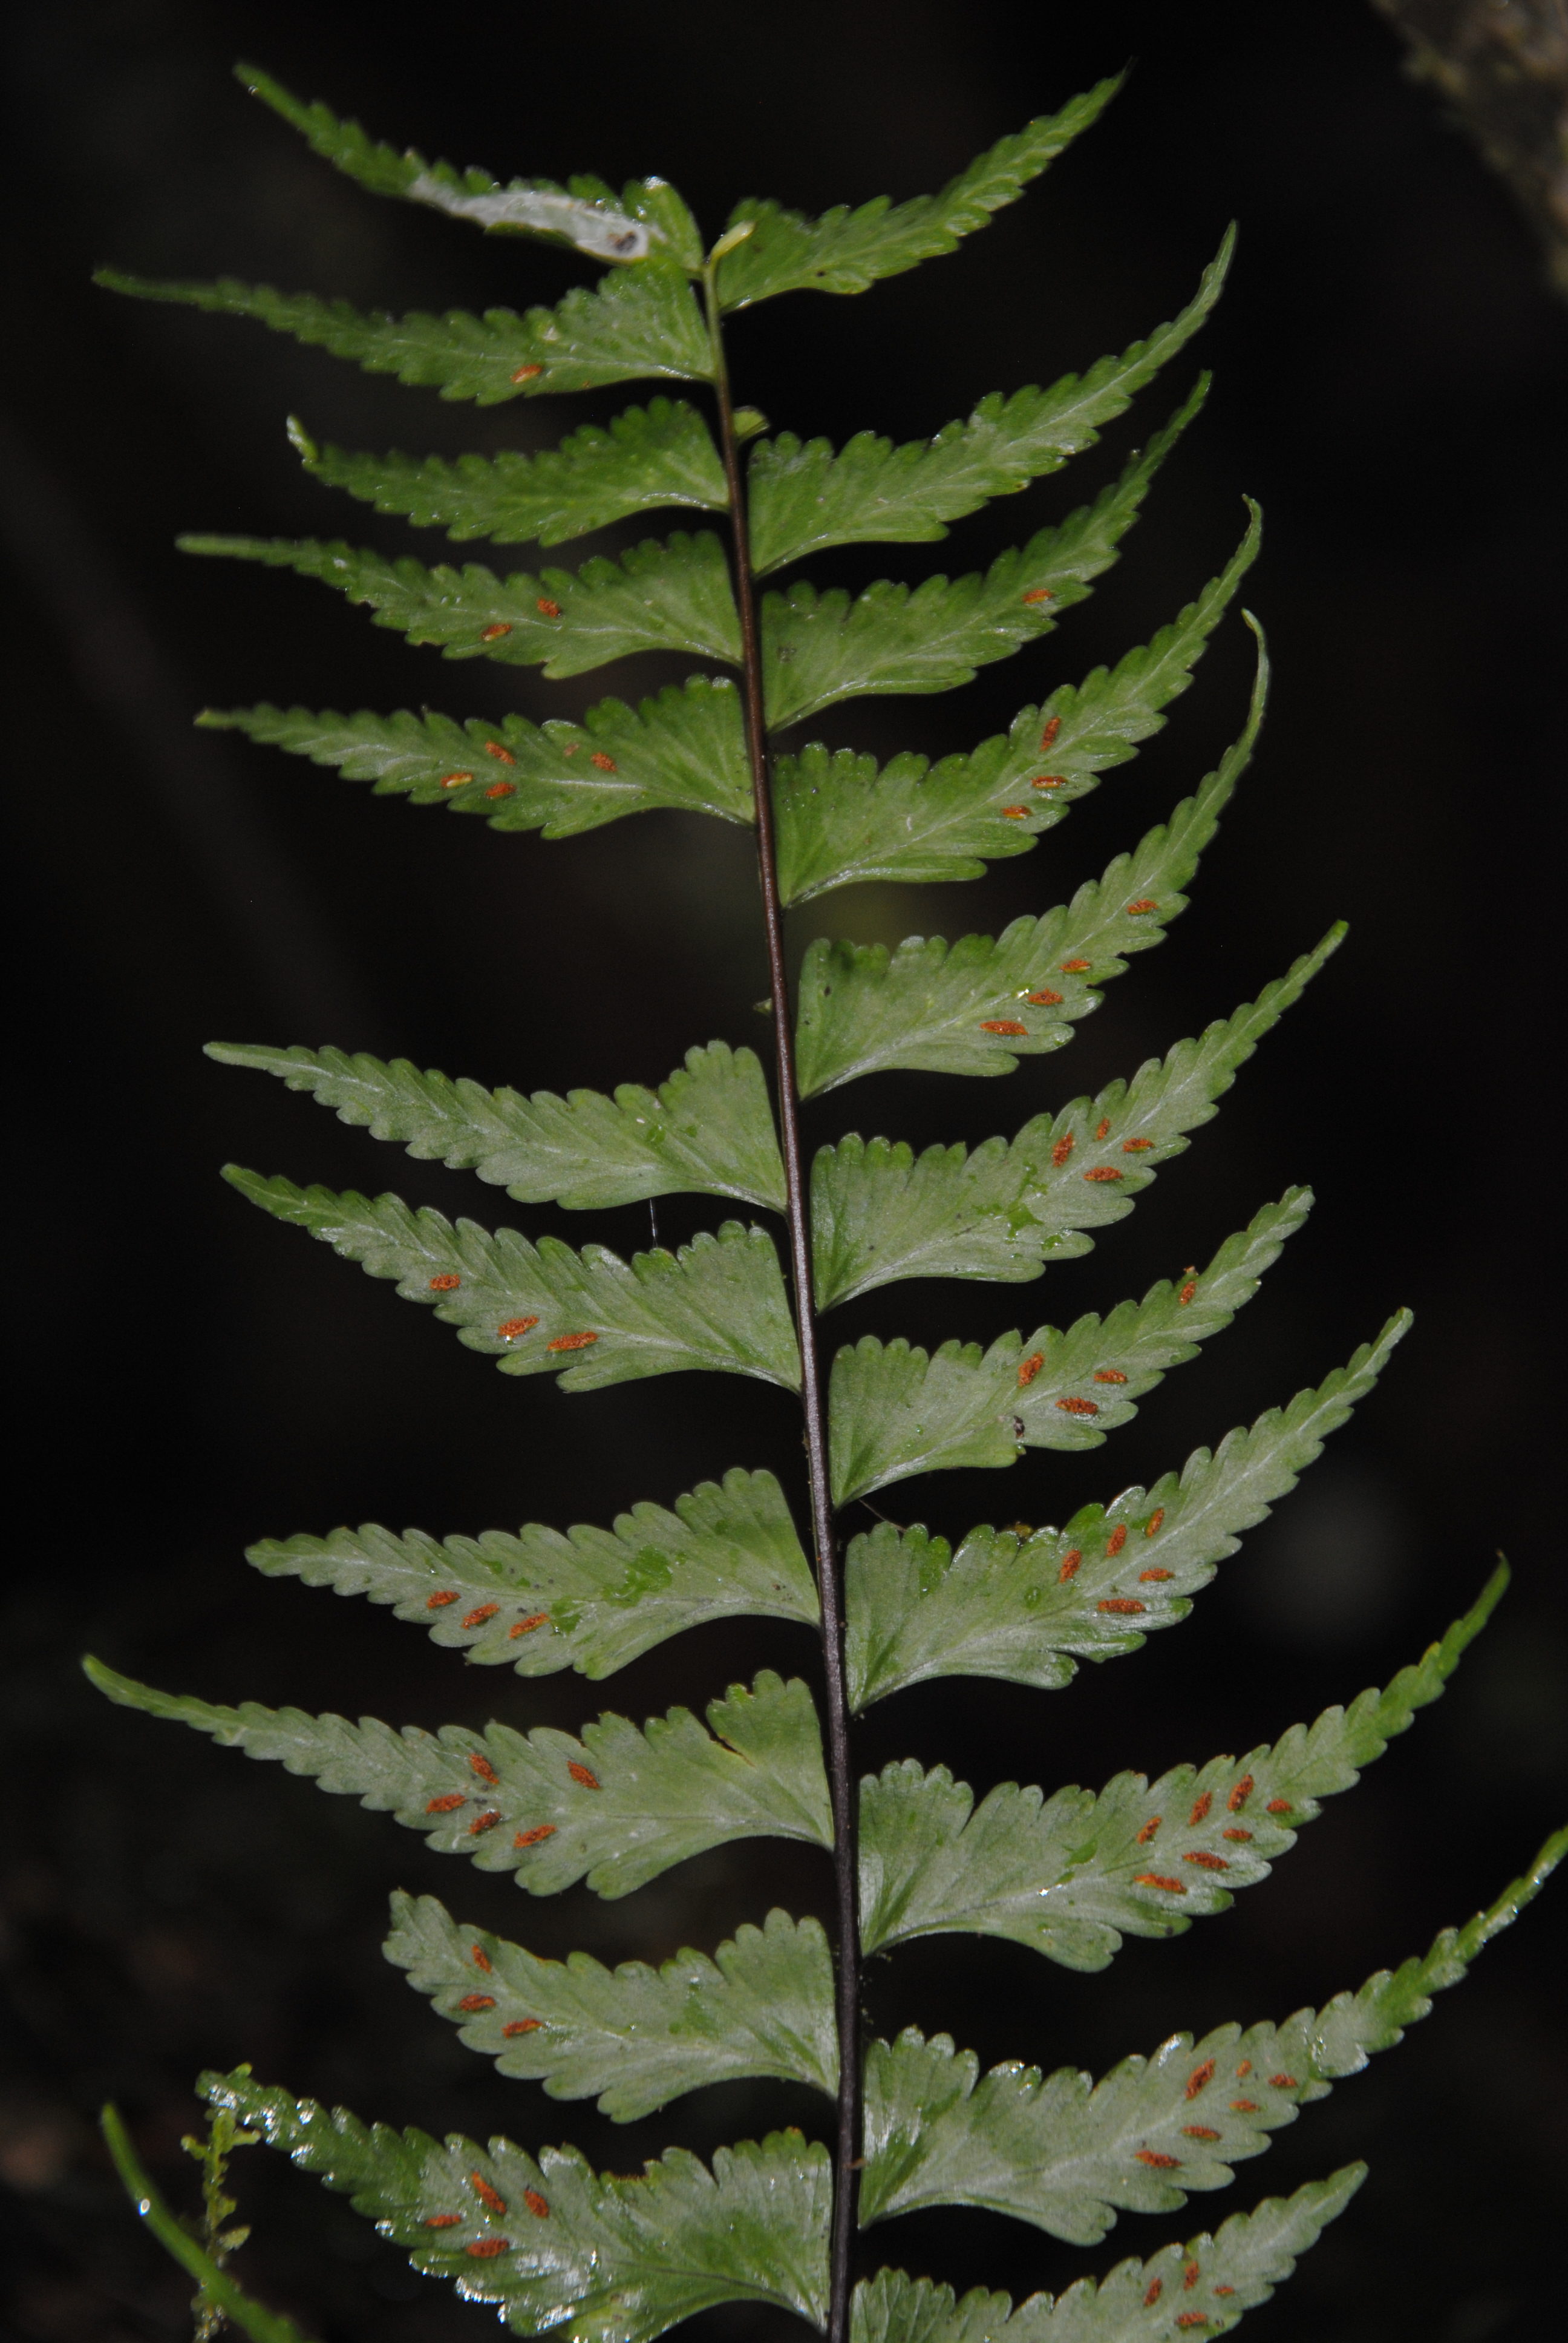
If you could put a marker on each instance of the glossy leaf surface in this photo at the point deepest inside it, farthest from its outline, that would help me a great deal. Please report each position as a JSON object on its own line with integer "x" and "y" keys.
{"x": 845, "y": 251}
{"x": 1070, "y": 1874}
{"x": 1067, "y": 2154}
{"x": 1028, "y": 1608}
{"x": 682, "y": 749}
{"x": 616, "y": 1807}
{"x": 976, "y": 1007}
{"x": 1137, "y": 2302}
{"x": 634, "y": 2037}
{"x": 895, "y": 1410}
{"x": 843, "y": 821}
{"x": 804, "y": 496}
{"x": 650, "y": 457}
{"x": 656, "y": 597}
{"x": 819, "y": 648}
{"x": 585, "y": 215}
{"x": 718, "y": 1303}
{"x": 592, "y": 1599}
{"x": 637, "y": 322}
{"x": 708, "y": 1131}
{"x": 1003, "y": 1210}
{"x": 599, "y": 2258}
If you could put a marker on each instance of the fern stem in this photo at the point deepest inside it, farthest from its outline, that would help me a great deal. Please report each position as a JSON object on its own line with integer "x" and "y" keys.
{"x": 813, "y": 1388}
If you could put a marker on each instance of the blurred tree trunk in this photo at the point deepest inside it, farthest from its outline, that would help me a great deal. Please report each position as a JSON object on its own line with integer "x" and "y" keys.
{"x": 1503, "y": 67}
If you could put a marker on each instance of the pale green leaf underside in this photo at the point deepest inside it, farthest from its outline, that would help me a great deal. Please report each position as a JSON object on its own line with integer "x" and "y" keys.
{"x": 684, "y": 749}
{"x": 845, "y": 251}
{"x": 585, "y": 215}
{"x": 591, "y": 1599}
{"x": 878, "y": 1213}
{"x": 650, "y": 457}
{"x": 819, "y": 648}
{"x": 895, "y": 1410}
{"x": 975, "y": 1007}
{"x": 1028, "y": 1609}
{"x": 708, "y": 1131}
{"x": 717, "y": 1305}
{"x": 638, "y": 321}
{"x": 1067, "y": 2154}
{"x": 1070, "y": 1874}
{"x": 634, "y": 2037}
{"x": 616, "y": 1807}
{"x": 803, "y": 496}
{"x": 607, "y": 2260}
{"x": 1137, "y": 2302}
{"x": 674, "y": 596}
{"x": 843, "y": 822}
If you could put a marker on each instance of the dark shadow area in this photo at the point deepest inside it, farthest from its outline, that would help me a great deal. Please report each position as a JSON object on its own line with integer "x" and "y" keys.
{"x": 1390, "y": 380}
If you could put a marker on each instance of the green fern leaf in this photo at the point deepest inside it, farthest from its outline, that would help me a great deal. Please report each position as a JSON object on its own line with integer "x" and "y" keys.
{"x": 842, "y": 822}
{"x": 717, "y": 1304}
{"x": 803, "y": 497}
{"x": 845, "y": 251}
{"x": 879, "y": 1213}
{"x": 684, "y": 749}
{"x": 653, "y": 456}
{"x": 977, "y": 1006}
{"x": 636, "y": 2037}
{"x": 1064, "y": 2153}
{"x": 583, "y": 215}
{"x": 637, "y": 322}
{"x": 609, "y": 2261}
{"x": 819, "y": 648}
{"x": 895, "y": 1410}
{"x": 1137, "y": 2302}
{"x": 1069, "y": 1876}
{"x": 592, "y": 1600}
{"x": 656, "y": 597}
{"x": 1027, "y": 1608}
{"x": 617, "y": 1807}
{"x": 708, "y": 1131}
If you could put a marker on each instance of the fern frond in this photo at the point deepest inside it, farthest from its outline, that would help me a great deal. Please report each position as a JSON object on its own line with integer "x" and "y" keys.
{"x": 1028, "y": 1608}
{"x": 977, "y": 1006}
{"x": 1065, "y": 2153}
{"x": 880, "y": 1213}
{"x": 803, "y": 497}
{"x": 718, "y": 1303}
{"x": 685, "y": 748}
{"x": 592, "y": 1600}
{"x": 1070, "y": 1875}
{"x": 636, "y": 322}
{"x": 708, "y": 1131}
{"x": 584, "y": 214}
{"x": 895, "y": 1410}
{"x": 819, "y": 648}
{"x": 634, "y": 2037}
{"x": 1137, "y": 2302}
{"x": 845, "y": 251}
{"x": 650, "y": 457}
{"x": 620, "y": 2260}
{"x": 842, "y": 822}
{"x": 674, "y": 596}
{"x": 616, "y": 1807}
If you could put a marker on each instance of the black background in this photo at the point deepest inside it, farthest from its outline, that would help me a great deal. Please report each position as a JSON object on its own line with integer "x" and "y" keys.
{"x": 1390, "y": 381}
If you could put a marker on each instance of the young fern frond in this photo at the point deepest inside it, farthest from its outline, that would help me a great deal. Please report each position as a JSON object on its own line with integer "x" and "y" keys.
{"x": 910, "y": 1850}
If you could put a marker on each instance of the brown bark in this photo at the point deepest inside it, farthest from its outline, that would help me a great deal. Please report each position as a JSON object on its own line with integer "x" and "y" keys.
{"x": 1501, "y": 66}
